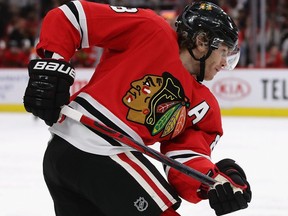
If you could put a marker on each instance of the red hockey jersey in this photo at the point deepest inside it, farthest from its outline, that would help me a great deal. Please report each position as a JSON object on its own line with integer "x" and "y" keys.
{"x": 139, "y": 88}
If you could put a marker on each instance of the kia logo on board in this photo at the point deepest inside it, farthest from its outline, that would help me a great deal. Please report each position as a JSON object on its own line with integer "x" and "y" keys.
{"x": 231, "y": 88}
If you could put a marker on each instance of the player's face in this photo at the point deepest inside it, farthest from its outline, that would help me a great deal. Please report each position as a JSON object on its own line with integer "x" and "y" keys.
{"x": 141, "y": 91}
{"x": 216, "y": 61}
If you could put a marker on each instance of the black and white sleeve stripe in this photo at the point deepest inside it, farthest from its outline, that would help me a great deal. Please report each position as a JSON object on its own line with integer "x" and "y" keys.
{"x": 76, "y": 15}
{"x": 183, "y": 156}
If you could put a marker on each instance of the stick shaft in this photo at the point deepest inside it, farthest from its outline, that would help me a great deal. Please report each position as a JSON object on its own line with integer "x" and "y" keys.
{"x": 77, "y": 116}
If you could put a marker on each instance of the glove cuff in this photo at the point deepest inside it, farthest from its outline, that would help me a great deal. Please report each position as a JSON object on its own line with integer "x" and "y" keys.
{"x": 52, "y": 67}
{"x": 227, "y": 165}
{"x": 224, "y": 171}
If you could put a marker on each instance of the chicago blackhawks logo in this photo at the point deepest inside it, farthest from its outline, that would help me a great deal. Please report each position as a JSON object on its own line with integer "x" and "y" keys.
{"x": 205, "y": 6}
{"x": 159, "y": 103}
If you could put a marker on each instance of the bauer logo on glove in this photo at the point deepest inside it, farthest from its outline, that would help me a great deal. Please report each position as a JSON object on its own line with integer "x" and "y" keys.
{"x": 55, "y": 66}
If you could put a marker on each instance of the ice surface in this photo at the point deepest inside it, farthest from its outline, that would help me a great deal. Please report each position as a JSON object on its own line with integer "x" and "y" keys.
{"x": 259, "y": 145}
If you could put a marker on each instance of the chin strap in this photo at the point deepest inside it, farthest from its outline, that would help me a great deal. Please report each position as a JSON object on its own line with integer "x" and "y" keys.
{"x": 200, "y": 76}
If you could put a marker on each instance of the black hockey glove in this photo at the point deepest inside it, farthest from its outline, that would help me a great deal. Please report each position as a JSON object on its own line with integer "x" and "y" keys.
{"x": 48, "y": 88}
{"x": 233, "y": 191}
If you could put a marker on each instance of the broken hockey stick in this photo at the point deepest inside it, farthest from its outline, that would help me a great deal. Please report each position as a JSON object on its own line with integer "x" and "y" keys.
{"x": 78, "y": 116}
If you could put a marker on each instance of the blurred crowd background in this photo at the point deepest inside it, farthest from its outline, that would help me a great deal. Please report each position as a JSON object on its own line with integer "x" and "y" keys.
{"x": 263, "y": 28}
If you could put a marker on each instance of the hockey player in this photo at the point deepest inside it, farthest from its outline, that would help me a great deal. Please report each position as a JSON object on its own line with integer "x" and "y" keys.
{"x": 146, "y": 86}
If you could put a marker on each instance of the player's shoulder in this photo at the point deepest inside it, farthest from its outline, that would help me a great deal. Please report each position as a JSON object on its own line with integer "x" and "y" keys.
{"x": 158, "y": 20}
{"x": 201, "y": 89}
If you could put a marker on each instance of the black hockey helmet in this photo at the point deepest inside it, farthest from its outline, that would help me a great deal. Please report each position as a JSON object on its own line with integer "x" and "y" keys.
{"x": 210, "y": 18}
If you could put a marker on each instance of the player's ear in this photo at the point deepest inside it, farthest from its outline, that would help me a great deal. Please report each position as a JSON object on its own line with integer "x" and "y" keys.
{"x": 201, "y": 44}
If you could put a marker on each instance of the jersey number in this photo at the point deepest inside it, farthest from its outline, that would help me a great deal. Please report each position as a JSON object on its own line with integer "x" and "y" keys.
{"x": 121, "y": 9}
{"x": 198, "y": 112}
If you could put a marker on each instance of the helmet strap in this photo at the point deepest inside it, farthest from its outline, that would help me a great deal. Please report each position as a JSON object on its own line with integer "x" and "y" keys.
{"x": 200, "y": 76}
